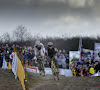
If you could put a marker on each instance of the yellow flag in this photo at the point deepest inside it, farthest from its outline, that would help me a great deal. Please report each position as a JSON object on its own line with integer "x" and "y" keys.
{"x": 9, "y": 65}
{"x": 21, "y": 73}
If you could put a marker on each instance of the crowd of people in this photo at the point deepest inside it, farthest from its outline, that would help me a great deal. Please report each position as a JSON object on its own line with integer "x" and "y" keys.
{"x": 79, "y": 68}
{"x": 28, "y": 55}
{"x": 5, "y": 52}
{"x": 63, "y": 59}
{"x": 84, "y": 68}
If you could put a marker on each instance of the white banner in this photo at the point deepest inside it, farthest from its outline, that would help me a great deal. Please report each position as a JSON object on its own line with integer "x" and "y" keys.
{"x": 87, "y": 54}
{"x": 73, "y": 54}
{"x": 65, "y": 72}
{"x": 96, "y": 51}
{"x": 14, "y": 65}
{"x": 4, "y": 66}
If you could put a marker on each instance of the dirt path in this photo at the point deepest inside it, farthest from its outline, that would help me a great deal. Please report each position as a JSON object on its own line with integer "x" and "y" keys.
{"x": 37, "y": 82}
{"x": 8, "y": 82}
{"x": 65, "y": 83}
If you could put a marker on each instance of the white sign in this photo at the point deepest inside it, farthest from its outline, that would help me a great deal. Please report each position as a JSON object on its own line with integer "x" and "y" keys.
{"x": 75, "y": 54}
{"x": 96, "y": 51}
{"x": 87, "y": 54}
{"x": 4, "y": 66}
{"x": 14, "y": 65}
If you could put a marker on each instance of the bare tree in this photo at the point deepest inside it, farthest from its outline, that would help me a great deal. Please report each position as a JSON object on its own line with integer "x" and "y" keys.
{"x": 1, "y": 39}
{"x": 20, "y": 33}
{"x": 6, "y": 37}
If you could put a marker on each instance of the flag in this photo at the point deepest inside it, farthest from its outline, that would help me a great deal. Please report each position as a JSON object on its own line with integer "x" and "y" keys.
{"x": 14, "y": 64}
{"x": 80, "y": 44}
{"x": 20, "y": 73}
{"x": 4, "y": 66}
{"x": 80, "y": 48}
{"x": 18, "y": 69}
{"x": 9, "y": 65}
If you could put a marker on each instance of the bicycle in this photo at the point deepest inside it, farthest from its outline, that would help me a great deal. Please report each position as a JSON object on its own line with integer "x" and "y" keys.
{"x": 55, "y": 72}
{"x": 41, "y": 67}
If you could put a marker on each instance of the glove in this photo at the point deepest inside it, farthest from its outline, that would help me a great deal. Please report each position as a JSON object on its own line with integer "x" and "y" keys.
{"x": 35, "y": 58}
{"x": 56, "y": 57}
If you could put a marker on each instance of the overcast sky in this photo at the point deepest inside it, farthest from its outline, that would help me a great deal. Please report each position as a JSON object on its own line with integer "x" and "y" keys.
{"x": 51, "y": 17}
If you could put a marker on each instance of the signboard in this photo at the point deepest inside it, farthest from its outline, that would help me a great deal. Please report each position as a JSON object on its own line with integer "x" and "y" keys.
{"x": 74, "y": 54}
{"x": 87, "y": 54}
{"x": 96, "y": 51}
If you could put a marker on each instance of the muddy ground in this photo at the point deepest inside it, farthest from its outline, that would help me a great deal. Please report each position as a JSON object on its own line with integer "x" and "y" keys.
{"x": 37, "y": 82}
{"x": 65, "y": 83}
{"x": 8, "y": 81}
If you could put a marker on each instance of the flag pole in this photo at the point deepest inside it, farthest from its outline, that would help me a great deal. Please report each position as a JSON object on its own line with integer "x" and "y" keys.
{"x": 80, "y": 48}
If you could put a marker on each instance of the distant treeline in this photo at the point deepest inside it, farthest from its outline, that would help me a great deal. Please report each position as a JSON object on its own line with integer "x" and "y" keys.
{"x": 21, "y": 37}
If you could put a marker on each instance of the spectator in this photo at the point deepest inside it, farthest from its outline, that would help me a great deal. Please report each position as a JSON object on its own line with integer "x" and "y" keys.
{"x": 60, "y": 51}
{"x": 87, "y": 62}
{"x": 25, "y": 57}
{"x": 64, "y": 52}
{"x": 59, "y": 60}
{"x": 67, "y": 60}
{"x": 30, "y": 57}
{"x": 63, "y": 62}
{"x": 7, "y": 57}
{"x": 1, "y": 59}
{"x": 85, "y": 70}
{"x": 91, "y": 70}
{"x": 97, "y": 66}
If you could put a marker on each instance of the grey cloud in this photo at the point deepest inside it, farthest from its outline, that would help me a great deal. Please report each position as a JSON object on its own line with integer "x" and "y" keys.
{"x": 52, "y": 8}
{"x": 70, "y": 3}
{"x": 36, "y": 12}
{"x": 81, "y": 3}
